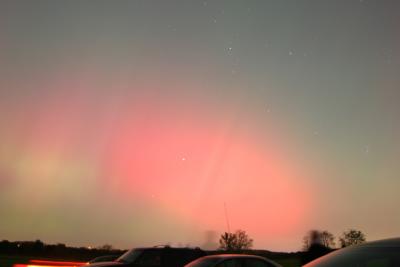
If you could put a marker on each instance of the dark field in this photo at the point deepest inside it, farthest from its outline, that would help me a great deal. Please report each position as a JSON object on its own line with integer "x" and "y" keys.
{"x": 9, "y": 261}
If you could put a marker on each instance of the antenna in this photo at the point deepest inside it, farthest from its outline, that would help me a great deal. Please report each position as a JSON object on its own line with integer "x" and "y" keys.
{"x": 227, "y": 218}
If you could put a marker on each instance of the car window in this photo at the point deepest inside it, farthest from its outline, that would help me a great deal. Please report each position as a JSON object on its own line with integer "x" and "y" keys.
{"x": 230, "y": 263}
{"x": 149, "y": 258}
{"x": 257, "y": 263}
{"x": 178, "y": 257}
{"x": 130, "y": 255}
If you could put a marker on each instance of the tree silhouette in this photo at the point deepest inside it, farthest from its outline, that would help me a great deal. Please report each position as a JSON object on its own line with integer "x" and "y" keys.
{"x": 105, "y": 247}
{"x": 327, "y": 239}
{"x": 235, "y": 241}
{"x": 38, "y": 246}
{"x": 316, "y": 244}
{"x": 351, "y": 237}
{"x": 324, "y": 238}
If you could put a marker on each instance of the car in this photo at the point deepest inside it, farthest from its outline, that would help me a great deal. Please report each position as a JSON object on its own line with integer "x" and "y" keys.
{"x": 104, "y": 258}
{"x": 381, "y": 253}
{"x": 232, "y": 260}
{"x": 154, "y": 257}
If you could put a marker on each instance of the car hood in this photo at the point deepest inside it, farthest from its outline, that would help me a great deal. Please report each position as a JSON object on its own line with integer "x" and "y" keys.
{"x": 106, "y": 264}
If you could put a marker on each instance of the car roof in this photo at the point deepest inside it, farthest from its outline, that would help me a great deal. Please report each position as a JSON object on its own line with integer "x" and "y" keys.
{"x": 110, "y": 255}
{"x": 383, "y": 243}
{"x": 390, "y": 242}
{"x": 386, "y": 244}
{"x": 165, "y": 248}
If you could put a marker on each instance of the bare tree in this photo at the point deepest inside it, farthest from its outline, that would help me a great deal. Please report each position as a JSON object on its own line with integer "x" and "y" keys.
{"x": 235, "y": 241}
{"x": 243, "y": 240}
{"x": 227, "y": 241}
{"x": 316, "y": 237}
{"x": 306, "y": 242}
{"x": 327, "y": 239}
{"x": 351, "y": 237}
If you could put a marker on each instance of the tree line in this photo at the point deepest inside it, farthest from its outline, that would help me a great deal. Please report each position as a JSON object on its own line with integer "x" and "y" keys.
{"x": 316, "y": 243}
{"x": 240, "y": 240}
{"x": 327, "y": 239}
{"x": 61, "y": 251}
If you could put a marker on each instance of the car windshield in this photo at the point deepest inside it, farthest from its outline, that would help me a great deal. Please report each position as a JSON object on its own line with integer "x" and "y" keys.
{"x": 360, "y": 257}
{"x": 103, "y": 258}
{"x": 130, "y": 255}
{"x": 203, "y": 262}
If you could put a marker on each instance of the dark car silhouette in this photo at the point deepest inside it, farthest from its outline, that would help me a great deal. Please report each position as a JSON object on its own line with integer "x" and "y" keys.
{"x": 154, "y": 257}
{"x": 232, "y": 260}
{"x": 382, "y": 253}
{"x": 104, "y": 258}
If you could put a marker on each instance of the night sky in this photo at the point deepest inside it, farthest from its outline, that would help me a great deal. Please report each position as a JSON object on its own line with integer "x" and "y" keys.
{"x": 139, "y": 123}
